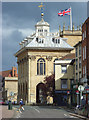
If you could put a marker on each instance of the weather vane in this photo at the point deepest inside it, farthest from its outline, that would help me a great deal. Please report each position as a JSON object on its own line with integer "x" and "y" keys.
{"x": 41, "y": 8}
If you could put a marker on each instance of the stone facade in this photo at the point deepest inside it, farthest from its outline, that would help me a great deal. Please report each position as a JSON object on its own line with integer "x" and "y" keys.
{"x": 78, "y": 63}
{"x": 28, "y": 75}
{"x": 63, "y": 81}
{"x": 11, "y": 88}
{"x": 73, "y": 36}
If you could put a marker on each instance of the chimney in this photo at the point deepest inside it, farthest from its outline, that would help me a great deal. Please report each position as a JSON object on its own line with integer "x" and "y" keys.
{"x": 14, "y": 72}
{"x": 16, "y": 75}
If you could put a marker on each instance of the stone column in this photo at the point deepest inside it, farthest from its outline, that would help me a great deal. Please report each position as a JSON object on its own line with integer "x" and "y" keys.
{"x": 29, "y": 86}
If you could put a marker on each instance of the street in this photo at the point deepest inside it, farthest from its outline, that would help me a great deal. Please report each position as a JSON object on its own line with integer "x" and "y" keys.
{"x": 43, "y": 112}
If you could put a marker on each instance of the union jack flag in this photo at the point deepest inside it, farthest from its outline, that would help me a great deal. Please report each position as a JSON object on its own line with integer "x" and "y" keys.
{"x": 64, "y": 12}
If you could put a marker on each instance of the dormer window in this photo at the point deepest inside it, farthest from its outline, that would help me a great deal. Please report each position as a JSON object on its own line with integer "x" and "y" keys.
{"x": 56, "y": 40}
{"x": 53, "y": 39}
{"x": 37, "y": 39}
{"x": 40, "y": 40}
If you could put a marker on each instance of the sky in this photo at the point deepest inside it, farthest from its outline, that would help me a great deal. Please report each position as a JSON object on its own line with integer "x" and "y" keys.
{"x": 19, "y": 19}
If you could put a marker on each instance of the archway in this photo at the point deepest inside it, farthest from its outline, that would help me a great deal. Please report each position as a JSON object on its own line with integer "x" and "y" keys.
{"x": 40, "y": 93}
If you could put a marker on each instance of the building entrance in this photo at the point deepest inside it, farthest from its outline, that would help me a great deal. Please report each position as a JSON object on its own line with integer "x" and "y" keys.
{"x": 61, "y": 99}
{"x": 40, "y": 93}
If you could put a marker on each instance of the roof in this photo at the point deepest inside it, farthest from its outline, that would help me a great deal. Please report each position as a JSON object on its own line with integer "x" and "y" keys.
{"x": 9, "y": 73}
{"x": 49, "y": 44}
{"x": 87, "y": 20}
{"x": 63, "y": 61}
{"x": 6, "y": 73}
{"x": 68, "y": 56}
{"x": 46, "y": 44}
{"x": 42, "y": 23}
{"x": 80, "y": 42}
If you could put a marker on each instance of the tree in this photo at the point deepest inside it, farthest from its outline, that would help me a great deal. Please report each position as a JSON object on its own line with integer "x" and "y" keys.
{"x": 49, "y": 84}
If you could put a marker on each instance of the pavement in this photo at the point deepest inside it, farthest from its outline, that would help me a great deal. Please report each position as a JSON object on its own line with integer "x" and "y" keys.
{"x": 5, "y": 113}
{"x": 72, "y": 113}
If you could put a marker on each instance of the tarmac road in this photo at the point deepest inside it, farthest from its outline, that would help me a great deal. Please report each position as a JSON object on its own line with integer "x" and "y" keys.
{"x": 44, "y": 112}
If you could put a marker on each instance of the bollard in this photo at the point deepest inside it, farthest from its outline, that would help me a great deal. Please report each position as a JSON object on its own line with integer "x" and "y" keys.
{"x": 9, "y": 105}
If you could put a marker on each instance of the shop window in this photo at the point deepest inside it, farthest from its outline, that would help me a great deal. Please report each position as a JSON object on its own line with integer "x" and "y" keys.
{"x": 64, "y": 83}
{"x": 64, "y": 68}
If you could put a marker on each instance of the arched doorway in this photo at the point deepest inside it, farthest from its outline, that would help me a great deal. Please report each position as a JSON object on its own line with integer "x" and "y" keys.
{"x": 41, "y": 93}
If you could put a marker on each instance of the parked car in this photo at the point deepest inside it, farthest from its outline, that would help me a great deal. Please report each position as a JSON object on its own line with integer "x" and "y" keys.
{"x": 1, "y": 102}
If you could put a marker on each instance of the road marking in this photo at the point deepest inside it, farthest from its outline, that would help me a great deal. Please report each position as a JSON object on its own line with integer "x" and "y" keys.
{"x": 18, "y": 116}
{"x": 72, "y": 117}
{"x": 65, "y": 115}
{"x": 37, "y": 110}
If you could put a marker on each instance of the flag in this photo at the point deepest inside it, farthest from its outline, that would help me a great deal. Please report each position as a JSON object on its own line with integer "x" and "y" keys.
{"x": 41, "y": 5}
{"x": 64, "y": 12}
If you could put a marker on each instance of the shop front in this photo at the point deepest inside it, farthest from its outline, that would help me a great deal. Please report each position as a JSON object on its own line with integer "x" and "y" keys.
{"x": 62, "y": 97}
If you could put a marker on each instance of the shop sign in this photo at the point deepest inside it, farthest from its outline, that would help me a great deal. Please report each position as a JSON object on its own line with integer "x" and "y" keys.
{"x": 75, "y": 86}
{"x": 87, "y": 90}
{"x": 77, "y": 92}
{"x": 68, "y": 92}
{"x": 60, "y": 91}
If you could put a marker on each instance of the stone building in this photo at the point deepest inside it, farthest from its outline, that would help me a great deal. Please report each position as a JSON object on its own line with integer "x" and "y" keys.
{"x": 64, "y": 79}
{"x": 10, "y": 84}
{"x": 36, "y": 59}
{"x": 78, "y": 63}
{"x": 73, "y": 36}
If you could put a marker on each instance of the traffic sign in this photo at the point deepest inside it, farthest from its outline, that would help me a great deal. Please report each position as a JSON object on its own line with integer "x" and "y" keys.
{"x": 81, "y": 88}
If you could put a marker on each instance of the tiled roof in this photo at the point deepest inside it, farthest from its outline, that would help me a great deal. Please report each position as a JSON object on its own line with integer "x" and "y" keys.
{"x": 6, "y": 73}
{"x": 68, "y": 56}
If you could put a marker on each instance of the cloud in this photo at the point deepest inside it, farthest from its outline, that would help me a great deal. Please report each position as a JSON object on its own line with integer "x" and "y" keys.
{"x": 26, "y": 32}
{"x": 19, "y": 19}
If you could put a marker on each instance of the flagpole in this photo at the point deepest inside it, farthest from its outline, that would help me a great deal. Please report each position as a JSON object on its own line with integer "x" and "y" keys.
{"x": 70, "y": 19}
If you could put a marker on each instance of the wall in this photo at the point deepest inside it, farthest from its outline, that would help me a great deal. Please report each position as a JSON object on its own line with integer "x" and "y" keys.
{"x": 11, "y": 86}
{"x": 30, "y": 70}
{"x": 59, "y": 75}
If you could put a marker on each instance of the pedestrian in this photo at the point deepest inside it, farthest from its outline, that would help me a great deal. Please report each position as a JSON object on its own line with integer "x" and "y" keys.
{"x": 21, "y": 106}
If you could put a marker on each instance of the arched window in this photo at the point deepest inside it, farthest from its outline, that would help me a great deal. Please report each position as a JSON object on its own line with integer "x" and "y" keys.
{"x": 41, "y": 66}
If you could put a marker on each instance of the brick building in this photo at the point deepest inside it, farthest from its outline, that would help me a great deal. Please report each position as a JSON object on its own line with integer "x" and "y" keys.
{"x": 85, "y": 52}
{"x": 85, "y": 58}
{"x": 78, "y": 63}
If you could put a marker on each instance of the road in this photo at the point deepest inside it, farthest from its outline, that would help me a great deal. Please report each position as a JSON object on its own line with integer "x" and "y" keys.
{"x": 43, "y": 112}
